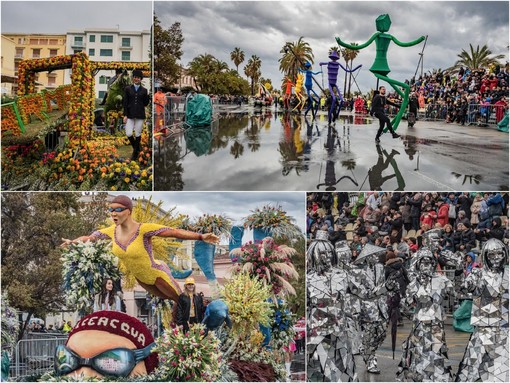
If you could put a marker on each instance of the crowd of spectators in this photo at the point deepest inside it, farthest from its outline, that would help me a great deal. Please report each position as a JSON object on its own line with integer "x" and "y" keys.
{"x": 398, "y": 220}
{"x": 464, "y": 97}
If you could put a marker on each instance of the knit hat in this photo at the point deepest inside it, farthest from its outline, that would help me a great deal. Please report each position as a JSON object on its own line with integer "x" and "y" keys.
{"x": 124, "y": 200}
{"x": 137, "y": 73}
{"x": 119, "y": 323}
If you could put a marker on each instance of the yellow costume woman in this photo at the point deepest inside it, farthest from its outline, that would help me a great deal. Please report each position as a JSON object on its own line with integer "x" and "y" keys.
{"x": 132, "y": 243}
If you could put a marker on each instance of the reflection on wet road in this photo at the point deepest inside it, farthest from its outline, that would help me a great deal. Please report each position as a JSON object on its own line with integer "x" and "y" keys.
{"x": 285, "y": 151}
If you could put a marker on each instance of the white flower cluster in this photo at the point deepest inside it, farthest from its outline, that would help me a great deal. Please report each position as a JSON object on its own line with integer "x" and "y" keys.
{"x": 85, "y": 266}
{"x": 10, "y": 324}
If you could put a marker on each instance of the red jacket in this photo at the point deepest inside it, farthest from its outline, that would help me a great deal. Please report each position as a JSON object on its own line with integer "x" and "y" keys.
{"x": 442, "y": 214}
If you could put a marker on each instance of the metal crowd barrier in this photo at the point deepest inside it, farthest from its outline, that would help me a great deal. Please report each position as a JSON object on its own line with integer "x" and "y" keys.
{"x": 34, "y": 356}
{"x": 476, "y": 114}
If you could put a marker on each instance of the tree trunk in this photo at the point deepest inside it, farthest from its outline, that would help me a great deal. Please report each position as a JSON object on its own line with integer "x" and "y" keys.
{"x": 345, "y": 79}
{"x": 24, "y": 325}
{"x": 350, "y": 79}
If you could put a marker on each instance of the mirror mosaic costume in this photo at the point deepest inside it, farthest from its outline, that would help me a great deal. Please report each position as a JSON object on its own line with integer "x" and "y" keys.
{"x": 347, "y": 312}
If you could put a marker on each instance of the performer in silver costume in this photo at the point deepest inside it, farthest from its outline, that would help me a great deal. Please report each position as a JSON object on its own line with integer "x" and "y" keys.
{"x": 486, "y": 355}
{"x": 328, "y": 332}
{"x": 367, "y": 284}
{"x": 424, "y": 353}
{"x": 318, "y": 248}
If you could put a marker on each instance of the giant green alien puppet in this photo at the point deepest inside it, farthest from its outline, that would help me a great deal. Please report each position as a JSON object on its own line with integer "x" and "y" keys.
{"x": 380, "y": 66}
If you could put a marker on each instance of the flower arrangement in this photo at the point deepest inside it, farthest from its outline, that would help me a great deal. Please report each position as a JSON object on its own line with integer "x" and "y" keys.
{"x": 10, "y": 324}
{"x": 212, "y": 223}
{"x": 282, "y": 327}
{"x": 61, "y": 95}
{"x": 247, "y": 301}
{"x": 10, "y": 121}
{"x": 273, "y": 219}
{"x": 85, "y": 266}
{"x": 145, "y": 67}
{"x": 32, "y": 104}
{"x": 190, "y": 357}
{"x": 268, "y": 262}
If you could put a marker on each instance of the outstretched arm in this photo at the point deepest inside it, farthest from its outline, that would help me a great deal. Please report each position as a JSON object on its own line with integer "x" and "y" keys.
{"x": 188, "y": 235}
{"x": 84, "y": 238}
{"x": 357, "y": 47}
{"x": 350, "y": 70}
{"x": 409, "y": 44}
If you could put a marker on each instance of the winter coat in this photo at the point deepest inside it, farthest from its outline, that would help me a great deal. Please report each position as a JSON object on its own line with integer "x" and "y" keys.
{"x": 183, "y": 308}
{"x": 415, "y": 206}
{"x": 467, "y": 239}
{"x": 134, "y": 102}
{"x": 442, "y": 214}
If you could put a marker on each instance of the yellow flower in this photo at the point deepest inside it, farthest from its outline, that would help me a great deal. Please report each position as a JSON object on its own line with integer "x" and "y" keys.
{"x": 127, "y": 179}
{"x": 113, "y": 188}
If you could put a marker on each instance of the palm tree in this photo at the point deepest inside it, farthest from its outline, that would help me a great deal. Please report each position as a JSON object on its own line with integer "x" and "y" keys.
{"x": 237, "y": 149}
{"x": 237, "y": 56}
{"x": 475, "y": 59}
{"x": 295, "y": 54}
{"x": 252, "y": 70}
{"x": 201, "y": 67}
{"x": 346, "y": 55}
{"x": 352, "y": 54}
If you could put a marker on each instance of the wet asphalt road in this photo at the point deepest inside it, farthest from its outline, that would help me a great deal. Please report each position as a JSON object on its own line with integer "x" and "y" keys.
{"x": 311, "y": 155}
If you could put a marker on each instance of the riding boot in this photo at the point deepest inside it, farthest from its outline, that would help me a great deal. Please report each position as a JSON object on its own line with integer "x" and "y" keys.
{"x": 138, "y": 146}
{"x": 133, "y": 144}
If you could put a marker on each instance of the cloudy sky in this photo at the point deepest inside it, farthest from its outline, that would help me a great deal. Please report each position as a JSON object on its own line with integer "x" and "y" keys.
{"x": 262, "y": 28}
{"x": 60, "y": 16}
{"x": 235, "y": 205}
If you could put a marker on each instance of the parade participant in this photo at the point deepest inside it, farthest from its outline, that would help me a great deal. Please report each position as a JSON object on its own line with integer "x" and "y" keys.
{"x": 367, "y": 283}
{"x": 333, "y": 67}
{"x": 330, "y": 328}
{"x": 190, "y": 307}
{"x": 132, "y": 244}
{"x": 379, "y": 103}
{"x": 135, "y": 99}
{"x": 380, "y": 67}
{"x": 108, "y": 299}
{"x": 107, "y": 343}
{"x": 319, "y": 248}
{"x": 412, "y": 117}
{"x": 298, "y": 91}
{"x": 424, "y": 352}
{"x": 160, "y": 102}
{"x": 309, "y": 89}
{"x": 486, "y": 357}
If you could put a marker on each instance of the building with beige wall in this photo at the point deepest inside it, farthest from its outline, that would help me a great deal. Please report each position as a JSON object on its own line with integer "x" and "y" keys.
{"x": 34, "y": 46}
{"x": 8, "y": 76}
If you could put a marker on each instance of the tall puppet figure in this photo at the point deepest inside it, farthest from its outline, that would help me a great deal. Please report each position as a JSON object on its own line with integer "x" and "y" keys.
{"x": 298, "y": 91}
{"x": 333, "y": 66}
{"x": 288, "y": 93}
{"x": 380, "y": 66}
{"x": 309, "y": 89}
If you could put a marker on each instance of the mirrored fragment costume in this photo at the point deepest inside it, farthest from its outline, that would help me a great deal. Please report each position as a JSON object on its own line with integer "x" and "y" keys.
{"x": 320, "y": 248}
{"x": 424, "y": 352}
{"x": 486, "y": 357}
{"x": 329, "y": 348}
{"x": 367, "y": 285}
